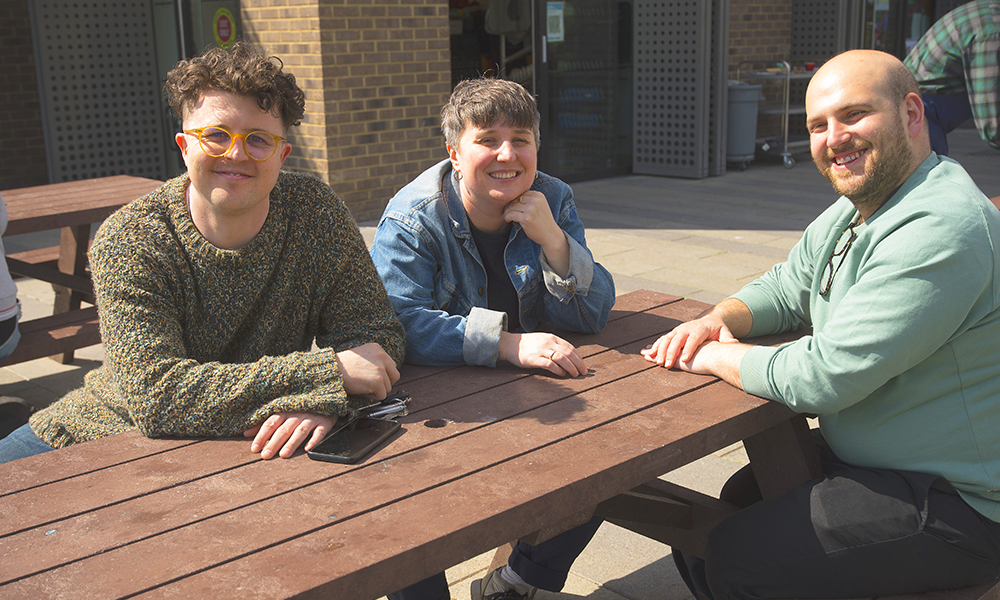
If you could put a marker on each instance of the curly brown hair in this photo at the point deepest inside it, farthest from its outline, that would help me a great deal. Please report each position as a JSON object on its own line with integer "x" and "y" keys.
{"x": 243, "y": 69}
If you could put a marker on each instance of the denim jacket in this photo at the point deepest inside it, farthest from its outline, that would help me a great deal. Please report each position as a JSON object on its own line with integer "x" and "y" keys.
{"x": 426, "y": 256}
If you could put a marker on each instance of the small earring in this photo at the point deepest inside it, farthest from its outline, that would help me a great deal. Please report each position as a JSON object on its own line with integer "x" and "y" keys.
{"x": 458, "y": 176}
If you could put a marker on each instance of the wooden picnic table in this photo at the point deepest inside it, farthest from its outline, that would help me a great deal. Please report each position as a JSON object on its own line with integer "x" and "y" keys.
{"x": 486, "y": 456}
{"x": 72, "y": 207}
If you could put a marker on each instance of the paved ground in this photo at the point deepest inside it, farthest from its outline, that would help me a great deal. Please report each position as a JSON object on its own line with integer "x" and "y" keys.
{"x": 701, "y": 239}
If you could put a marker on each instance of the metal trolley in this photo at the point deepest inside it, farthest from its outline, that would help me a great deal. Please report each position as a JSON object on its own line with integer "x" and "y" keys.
{"x": 785, "y": 75}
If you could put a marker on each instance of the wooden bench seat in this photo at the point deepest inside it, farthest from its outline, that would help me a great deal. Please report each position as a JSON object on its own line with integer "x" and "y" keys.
{"x": 71, "y": 207}
{"x": 41, "y": 264}
{"x": 57, "y": 334}
{"x": 42, "y": 257}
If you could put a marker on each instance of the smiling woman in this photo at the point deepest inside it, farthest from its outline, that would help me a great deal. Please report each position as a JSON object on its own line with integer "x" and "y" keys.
{"x": 475, "y": 253}
{"x": 482, "y": 247}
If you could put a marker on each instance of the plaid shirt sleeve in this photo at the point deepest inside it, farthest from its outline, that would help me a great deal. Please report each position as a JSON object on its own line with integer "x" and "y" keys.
{"x": 982, "y": 72}
{"x": 960, "y": 53}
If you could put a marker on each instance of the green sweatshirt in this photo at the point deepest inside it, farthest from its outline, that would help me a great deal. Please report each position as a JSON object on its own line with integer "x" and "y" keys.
{"x": 207, "y": 342}
{"x": 903, "y": 366}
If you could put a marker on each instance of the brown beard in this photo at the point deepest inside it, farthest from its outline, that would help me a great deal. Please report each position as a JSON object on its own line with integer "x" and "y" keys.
{"x": 887, "y": 166}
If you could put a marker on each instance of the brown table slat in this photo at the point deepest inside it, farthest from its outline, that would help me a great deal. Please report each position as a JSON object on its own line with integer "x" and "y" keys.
{"x": 457, "y": 532}
{"x": 426, "y": 395}
{"x": 220, "y": 536}
{"x": 474, "y": 411}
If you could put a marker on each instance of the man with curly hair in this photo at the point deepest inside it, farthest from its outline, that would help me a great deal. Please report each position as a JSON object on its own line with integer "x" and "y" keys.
{"x": 212, "y": 289}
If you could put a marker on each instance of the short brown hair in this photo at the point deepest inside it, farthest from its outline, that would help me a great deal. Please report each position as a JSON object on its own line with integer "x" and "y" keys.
{"x": 485, "y": 102}
{"x": 899, "y": 83}
{"x": 243, "y": 69}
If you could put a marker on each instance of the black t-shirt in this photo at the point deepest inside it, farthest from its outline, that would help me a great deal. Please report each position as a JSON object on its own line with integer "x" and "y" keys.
{"x": 500, "y": 293}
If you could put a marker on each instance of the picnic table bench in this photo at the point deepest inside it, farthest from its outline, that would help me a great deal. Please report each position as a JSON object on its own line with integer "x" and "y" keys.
{"x": 129, "y": 516}
{"x": 72, "y": 207}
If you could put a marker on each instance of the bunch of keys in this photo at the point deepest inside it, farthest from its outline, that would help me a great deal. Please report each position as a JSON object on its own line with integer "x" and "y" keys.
{"x": 393, "y": 407}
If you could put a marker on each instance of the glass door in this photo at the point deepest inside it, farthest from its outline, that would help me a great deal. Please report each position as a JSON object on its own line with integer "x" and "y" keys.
{"x": 894, "y": 26}
{"x": 583, "y": 79}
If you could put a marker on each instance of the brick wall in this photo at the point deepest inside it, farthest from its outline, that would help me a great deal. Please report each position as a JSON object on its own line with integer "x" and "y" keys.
{"x": 22, "y": 141}
{"x": 761, "y": 32}
{"x": 375, "y": 73}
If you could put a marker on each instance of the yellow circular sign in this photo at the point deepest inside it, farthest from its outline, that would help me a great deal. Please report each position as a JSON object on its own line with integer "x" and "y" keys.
{"x": 224, "y": 27}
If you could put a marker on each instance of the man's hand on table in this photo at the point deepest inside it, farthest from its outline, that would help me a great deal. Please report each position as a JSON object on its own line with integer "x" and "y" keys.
{"x": 680, "y": 344}
{"x": 705, "y": 346}
{"x": 368, "y": 371}
{"x": 281, "y": 434}
{"x": 541, "y": 351}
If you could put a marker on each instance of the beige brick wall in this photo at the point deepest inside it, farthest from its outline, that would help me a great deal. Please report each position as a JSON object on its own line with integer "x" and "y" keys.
{"x": 761, "y": 32}
{"x": 375, "y": 73}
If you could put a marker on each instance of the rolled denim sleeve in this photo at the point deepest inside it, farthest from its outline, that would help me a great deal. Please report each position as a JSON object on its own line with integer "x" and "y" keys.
{"x": 406, "y": 262}
{"x": 482, "y": 336}
{"x": 581, "y": 273}
{"x": 581, "y": 301}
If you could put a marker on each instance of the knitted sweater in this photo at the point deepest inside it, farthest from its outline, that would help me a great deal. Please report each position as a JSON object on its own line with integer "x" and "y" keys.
{"x": 208, "y": 342}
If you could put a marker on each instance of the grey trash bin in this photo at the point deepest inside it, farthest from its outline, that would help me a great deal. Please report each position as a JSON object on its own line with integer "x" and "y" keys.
{"x": 741, "y": 129}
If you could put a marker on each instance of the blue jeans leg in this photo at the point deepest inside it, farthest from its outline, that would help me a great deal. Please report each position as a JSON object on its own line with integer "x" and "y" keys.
{"x": 22, "y": 443}
{"x": 943, "y": 114}
{"x": 11, "y": 344}
{"x": 547, "y": 565}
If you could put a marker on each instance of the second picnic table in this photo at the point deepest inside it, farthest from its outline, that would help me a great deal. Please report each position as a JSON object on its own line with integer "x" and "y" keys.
{"x": 71, "y": 207}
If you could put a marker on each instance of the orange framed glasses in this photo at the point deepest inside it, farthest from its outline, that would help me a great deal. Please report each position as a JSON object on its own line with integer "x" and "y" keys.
{"x": 216, "y": 142}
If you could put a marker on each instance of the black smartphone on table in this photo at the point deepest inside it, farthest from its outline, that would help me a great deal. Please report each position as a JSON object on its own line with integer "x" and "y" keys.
{"x": 352, "y": 441}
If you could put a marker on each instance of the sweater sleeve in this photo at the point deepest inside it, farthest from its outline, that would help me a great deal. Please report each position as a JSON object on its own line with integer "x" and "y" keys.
{"x": 168, "y": 389}
{"x": 355, "y": 307}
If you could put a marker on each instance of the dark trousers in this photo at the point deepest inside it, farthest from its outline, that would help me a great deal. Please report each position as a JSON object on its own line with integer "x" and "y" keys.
{"x": 942, "y": 115}
{"x": 544, "y": 566}
{"x": 854, "y": 533}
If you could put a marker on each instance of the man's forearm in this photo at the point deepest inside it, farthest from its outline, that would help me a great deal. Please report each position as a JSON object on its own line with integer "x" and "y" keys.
{"x": 735, "y": 314}
{"x": 719, "y": 359}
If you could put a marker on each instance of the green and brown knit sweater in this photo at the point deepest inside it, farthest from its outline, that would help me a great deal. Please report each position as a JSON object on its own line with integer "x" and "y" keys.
{"x": 208, "y": 342}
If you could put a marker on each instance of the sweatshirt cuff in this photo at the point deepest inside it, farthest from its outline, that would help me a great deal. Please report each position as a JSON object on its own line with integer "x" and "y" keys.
{"x": 481, "y": 344}
{"x": 754, "y": 370}
{"x": 765, "y": 317}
